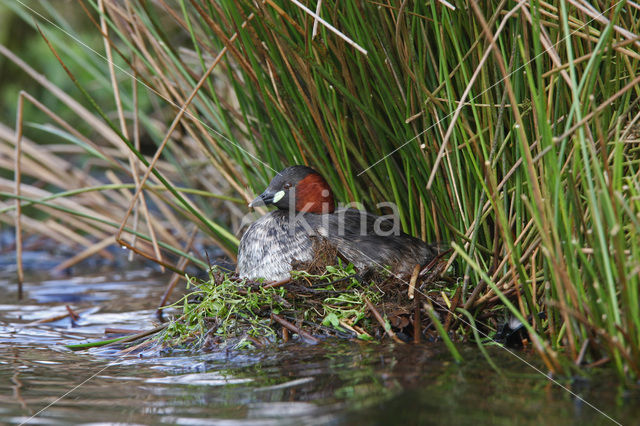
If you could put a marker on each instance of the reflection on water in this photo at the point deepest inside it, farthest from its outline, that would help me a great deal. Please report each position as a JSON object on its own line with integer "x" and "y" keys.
{"x": 336, "y": 382}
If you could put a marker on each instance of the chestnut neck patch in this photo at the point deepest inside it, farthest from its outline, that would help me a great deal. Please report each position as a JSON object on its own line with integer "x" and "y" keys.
{"x": 314, "y": 195}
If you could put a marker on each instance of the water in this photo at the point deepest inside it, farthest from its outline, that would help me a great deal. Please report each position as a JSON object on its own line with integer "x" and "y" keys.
{"x": 335, "y": 382}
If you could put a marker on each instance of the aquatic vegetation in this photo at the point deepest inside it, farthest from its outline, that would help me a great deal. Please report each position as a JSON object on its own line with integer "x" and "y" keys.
{"x": 223, "y": 307}
{"x": 229, "y": 311}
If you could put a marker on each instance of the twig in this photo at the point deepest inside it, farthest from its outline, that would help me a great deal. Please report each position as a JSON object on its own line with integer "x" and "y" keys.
{"x": 343, "y": 323}
{"x": 53, "y": 318}
{"x": 139, "y": 335}
{"x": 277, "y": 283}
{"x": 434, "y": 262}
{"x": 412, "y": 282}
{"x": 583, "y": 351}
{"x": 74, "y": 316}
{"x": 381, "y": 320}
{"x": 146, "y": 255}
{"x": 121, "y": 331}
{"x": 134, "y": 348}
{"x": 598, "y": 363}
{"x": 300, "y": 332}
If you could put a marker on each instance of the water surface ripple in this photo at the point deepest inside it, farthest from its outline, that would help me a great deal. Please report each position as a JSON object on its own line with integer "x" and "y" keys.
{"x": 335, "y": 382}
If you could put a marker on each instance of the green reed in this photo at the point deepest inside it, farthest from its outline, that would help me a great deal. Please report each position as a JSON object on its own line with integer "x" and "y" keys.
{"x": 527, "y": 164}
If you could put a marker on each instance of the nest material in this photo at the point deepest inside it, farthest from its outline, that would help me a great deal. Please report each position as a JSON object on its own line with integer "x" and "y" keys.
{"x": 324, "y": 254}
{"x": 371, "y": 304}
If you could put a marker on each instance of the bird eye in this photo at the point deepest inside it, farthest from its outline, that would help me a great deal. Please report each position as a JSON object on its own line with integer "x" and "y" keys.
{"x": 287, "y": 185}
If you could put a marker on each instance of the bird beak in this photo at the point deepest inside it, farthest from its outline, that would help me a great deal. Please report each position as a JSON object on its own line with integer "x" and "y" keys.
{"x": 262, "y": 200}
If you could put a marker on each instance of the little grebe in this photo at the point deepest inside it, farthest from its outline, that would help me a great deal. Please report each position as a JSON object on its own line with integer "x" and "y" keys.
{"x": 306, "y": 210}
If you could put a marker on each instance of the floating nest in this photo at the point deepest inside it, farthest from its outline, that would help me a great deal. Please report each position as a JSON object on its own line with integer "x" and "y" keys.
{"x": 325, "y": 298}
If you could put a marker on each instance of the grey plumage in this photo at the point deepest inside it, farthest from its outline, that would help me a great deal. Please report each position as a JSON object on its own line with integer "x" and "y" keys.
{"x": 271, "y": 243}
{"x": 269, "y": 246}
{"x": 368, "y": 240}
